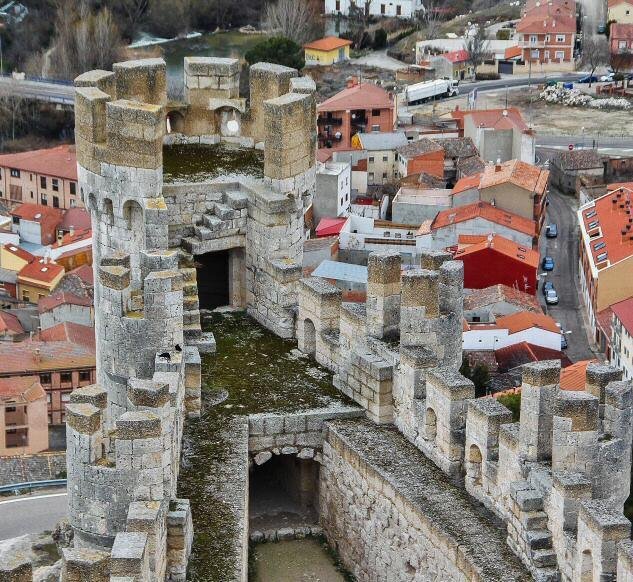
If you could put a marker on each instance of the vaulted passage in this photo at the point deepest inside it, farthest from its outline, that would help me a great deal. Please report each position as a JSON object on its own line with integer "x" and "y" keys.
{"x": 284, "y": 492}
{"x": 213, "y": 279}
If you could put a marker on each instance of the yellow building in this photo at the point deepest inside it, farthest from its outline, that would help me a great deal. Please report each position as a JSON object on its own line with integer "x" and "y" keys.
{"x": 621, "y": 11}
{"x": 38, "y": 279}
{"x": 327, "y": 51}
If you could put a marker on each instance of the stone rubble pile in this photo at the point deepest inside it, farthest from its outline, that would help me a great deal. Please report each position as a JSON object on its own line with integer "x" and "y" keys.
{"x": 576, "y": 98}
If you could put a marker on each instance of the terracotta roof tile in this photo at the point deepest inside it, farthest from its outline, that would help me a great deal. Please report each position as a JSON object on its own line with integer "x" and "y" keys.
{"x": 486, "y": 211}
{"x": 516, "y": 355}
{"x": 21, "y": 389}
{"x": 41, "y": 270}
{"x": 329, "y": 43}
{"x": 60, "y": 161}
{"x": 10, "y": 324}
{"x": 77, "y": 218}
{"x": 525, "y": 320}
{"x": 19, "y": 252}
{"x": 52, "y": 301}
{"x": 499, "y": 244}
{"x": 361, "y": 96}
{"x": 479, "y": 298}
{"x": 521, "y": 174}
{"x": 621, "y": 31}
{"x": 467, "y": 183}
{"x": 512, "y": 52}
{"x": 67, "y": 331}
{"x": 574, "y": 377}
{"x": 494, "y": 118}
{"x": 624, "y": 312}
{"x": 35, "y": 356}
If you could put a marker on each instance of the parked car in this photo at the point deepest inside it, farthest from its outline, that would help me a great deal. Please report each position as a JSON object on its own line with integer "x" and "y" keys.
{"x": 588, "y": 79}
{"x": 563, "y": 340}
{"x": 602, "y": 28}
{"x": 551, "y": 297}
{"x": 548, "y": 264}
{"x": 608, "y": 78}
{"x": 551, "y": 231}
{"x": 547, "y": 286}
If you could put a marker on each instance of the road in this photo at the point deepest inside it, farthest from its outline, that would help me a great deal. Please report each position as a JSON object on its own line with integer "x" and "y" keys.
{"x": 31, "y": 514}
{"x": 40, "y": 90}
{"x": 593, "y": 13}
{"x": 564, "y": 251}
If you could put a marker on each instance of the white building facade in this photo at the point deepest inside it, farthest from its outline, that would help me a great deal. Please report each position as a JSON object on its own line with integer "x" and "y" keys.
{"x": 400, "y": 8}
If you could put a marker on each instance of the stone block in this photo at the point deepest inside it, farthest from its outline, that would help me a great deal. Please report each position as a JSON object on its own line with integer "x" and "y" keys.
{"x": 580, "y": 407}
{"x": 91, "y": 394}
{"x": 147, "y": 393}
{"x": 598, "y": 377}
{"x": 544, "y": 373}
{"x": 85, "y": 565}
{"x": 129, "y": 556}
{"x": 83, "y": 418}
{"x": 15, "y": 568}
{"x": 138, "y": 425}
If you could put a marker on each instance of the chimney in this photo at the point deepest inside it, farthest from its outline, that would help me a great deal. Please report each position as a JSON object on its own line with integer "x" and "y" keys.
{"x": 37, "y": 356}
{"x": 498, "y": 165}
{"x": 72, "y": 231}
{"x": 60, "y": 236}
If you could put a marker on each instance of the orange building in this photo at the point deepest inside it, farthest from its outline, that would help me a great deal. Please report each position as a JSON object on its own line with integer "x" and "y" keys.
{"x": 360, "y": 108}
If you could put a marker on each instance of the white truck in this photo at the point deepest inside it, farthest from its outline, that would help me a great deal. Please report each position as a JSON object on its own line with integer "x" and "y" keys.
{"x": 430, "y": 90}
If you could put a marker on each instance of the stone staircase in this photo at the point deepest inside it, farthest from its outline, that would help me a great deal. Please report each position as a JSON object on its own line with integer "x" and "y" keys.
{"x": 222, "y": 227}
{"x": 528, "y": 535}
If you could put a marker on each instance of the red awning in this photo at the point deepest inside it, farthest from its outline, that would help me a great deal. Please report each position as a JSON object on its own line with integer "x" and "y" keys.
{"x": 330, "y": 226}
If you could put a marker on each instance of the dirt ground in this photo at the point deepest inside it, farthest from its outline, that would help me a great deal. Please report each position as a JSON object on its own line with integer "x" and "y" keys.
{"x": 546, "y": 118}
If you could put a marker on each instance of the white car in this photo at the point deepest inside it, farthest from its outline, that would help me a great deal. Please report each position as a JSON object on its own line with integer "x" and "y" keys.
{"x": 607, "y": 78}
{"x": 551, "y": 297}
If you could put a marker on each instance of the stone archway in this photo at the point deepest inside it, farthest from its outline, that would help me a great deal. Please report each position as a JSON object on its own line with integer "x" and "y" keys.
{"x": 228, "y": 121}
{"x": 175, "y": 122}
{"x": 307, "y": 337}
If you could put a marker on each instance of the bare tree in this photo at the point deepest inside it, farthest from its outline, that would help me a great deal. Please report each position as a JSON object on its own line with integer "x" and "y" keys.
{"x": 429, "y": 19}
{"x": 595, "y": 52}
{"x": 358, "y": 18}
{"x": 133, "y": 11}
{"x": 477, "y": 47}
{"x": 293, "y": 19}
{"x": 12, "y": 113}
{"x": 621, "y": 61}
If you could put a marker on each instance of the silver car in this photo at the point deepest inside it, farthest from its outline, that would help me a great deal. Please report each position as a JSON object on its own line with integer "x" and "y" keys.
{"x": 551, "y": 297}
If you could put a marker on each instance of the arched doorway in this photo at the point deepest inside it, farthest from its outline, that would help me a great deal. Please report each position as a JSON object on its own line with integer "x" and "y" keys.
{"x": 175, "y": 122}
{"x": 473, "y": 466}
{"x": 430, "y": 425}
{"x": 307, "y": 339}
{"x": 586, "y": 567}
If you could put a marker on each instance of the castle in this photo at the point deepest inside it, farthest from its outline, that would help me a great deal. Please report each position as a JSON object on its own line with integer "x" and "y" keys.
{"x": 402, "y": 474}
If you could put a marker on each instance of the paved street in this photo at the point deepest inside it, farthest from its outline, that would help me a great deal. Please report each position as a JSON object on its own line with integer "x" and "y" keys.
{"x": 564, "y": 250}
{"x": 31, "y": 514}
{"x": 593, "y": 14}
{"x": 52, "y": 92}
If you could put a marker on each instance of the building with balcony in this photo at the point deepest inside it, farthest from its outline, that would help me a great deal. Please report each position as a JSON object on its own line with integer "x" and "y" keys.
{"x": 23, "y": 420}
{"x": 47, "y": 177}
{"x": 362, "y": 107}
{"x": 622, "y": 337}
{"x": 398, "y": 8}
{"x": 606, "y": 258}
{"x": 382, "y": 153}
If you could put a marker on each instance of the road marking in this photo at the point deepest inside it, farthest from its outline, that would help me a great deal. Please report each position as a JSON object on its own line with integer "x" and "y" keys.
{"x": 33, "y": 498}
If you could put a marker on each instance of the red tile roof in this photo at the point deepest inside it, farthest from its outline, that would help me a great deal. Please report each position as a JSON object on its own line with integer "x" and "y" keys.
{"x": 76, "y": 218}
{"x": 522, "y": 353}
{"x": 624, "y": 312}
{"x": 46, "y": 304}
{"x": 525, "y": 320}
{"x": 85, "y": 273}
{"x": 458, "y": 56}
{"x": 330, "y": 226}
{"x": 487, "y": 212}
{"x": 41, "y": 270}
{"x": 521, "y": 174}
{"x": 466, "y": 183}
{"x": 611, "y": 214}
{"x": 46, "y": 216}
{"x": 73, "y": 237}
{"x": 75, "y": 333}
{"x": 10, "y": 324}
{"x": 22, "y": 389}
{"x": 493, "y": 118}
{"x": 60, "y": 162}
{"x": 19, "y": 252}
{"x": 478, "y": 298}
{"x": 574, "y": 377}
{"x": 621, "y": 31}
{"x": 360, "y": 96}
{"x": 35, "y": 356}
{"x": 499, "y": 244}
{"x": 323, "y": 155}
{"x": 547, "y": 20}
{"x": 329, "y": 43}
{"x": 513, "y": 52}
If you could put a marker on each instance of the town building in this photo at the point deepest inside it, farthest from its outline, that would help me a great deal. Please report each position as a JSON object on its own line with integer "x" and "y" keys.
{"x": 621, "y": 39}
{"x": 36, "y": 224}
{"x": 511, "y": 359}
{"x": 517, "y": 187}
{"x": 547, "y": 35}
{"x": 533, "y": 328}
{"x": 486, "y": 305}
{"x": 65, "y": 307}
{"x": 498, "y": 134}
{"x": 61, "y": 365}
{"x": 362, "y": 107}
{"x": 382, "y": 154}
{"x": 478, "y": 218}
{"x": 606, "y": 258}
{"x": 10, "y": 326}
{"x": 327, "y": 51}
{"x": 620, "y": 11}
{"x": 492, "y": 259}
{"x": 12, "y": 260}
{"x": 437, "y": 156}
{"x": 452, "y": 65}
{"x": 38, "y": 279}
{"x": 415, "y": 205}
{"x": 23, "y": 420}
{"x": 47, "y": 177}
{"x": 332, "y": 196}
{"x": 567, "y": 168}
{"x": 399, "y": 8}
{"x": 621, "y": 354}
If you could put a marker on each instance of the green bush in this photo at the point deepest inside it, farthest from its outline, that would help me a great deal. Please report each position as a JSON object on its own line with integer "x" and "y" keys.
{"x": 278, "y": 50}
{"x": 487, "y": 76}
{"x": 513, "y": 403}
{"x": 503, "y": 34}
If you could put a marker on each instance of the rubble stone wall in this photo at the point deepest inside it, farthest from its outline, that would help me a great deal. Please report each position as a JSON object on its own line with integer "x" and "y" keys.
{"x": 39, "y": 467}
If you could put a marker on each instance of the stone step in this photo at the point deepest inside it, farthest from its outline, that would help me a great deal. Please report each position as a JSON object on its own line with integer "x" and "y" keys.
{"x": 185, "y": 259}
{"x": 191, "y": 317}
{"x": 192, "y": 331}
{"x": 539, "y": 539}
{"x": 225, "y": 212}
{"x": 535, "y": 520}
{"x": 190, "y": 303}
{"x": 544, "y": 558}
{"x": 212, "y": 222}
{"x": 190, "y": 290}
{"x": 236, "y": 199}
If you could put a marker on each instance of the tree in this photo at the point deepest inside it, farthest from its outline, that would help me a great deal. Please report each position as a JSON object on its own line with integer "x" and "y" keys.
{"x": 480, "y": 377}
{"x": 133, "y": 11}
{"x": 620, "y": 61}
{"x": 279, "y": 50}
{"x": 477, "y": 47}
{"x": 595, "y": 52}
{"x": 358, "y": 18}
{"x": 380, "y": 38}
{"x": 429, "y": 20}
{"x": 293, "y": 19}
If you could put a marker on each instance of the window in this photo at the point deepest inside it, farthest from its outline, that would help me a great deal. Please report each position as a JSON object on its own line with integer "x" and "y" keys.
{"x": 371, "y": 159}
{"x": 370, "y": 177}
{"x": 32, "y": 196}
{"x": 15, "y": 173}
{"x": 65, "y": 396}
{"x": 547, "y": 38}
{"x": 599, "y": 246}
{"x": 66, "y": 376}
{"x": 375, "y": 112}
{"x": 398, "y": 10}
{"x": 84, "y": 376}
{"x": 560, "y": 38}
{"x": 10, "y": 409}
{"x": 560, "y": 55}
{"x": 533, "y": 39}
{"x": 55, "y": 185}
{"x": 375, "y": 127}
{"x": 384, "y": 158}
{"x": 31, "y": 177}
{"x": 382, "y": 9}
{"x": 384, "y": 175}
{"x": 40, "y": 296}
{"x": 25, "y": 296}
{"x": 535, "y": 54}
{"x": 55, "y": 201}
{"x": 338, "y": 5}
{"x": 590, "y": 214}
{"x": 43, "y": 182}
{"x": 546, "y": 55}
{"x": 602, "y": 257}
{"x": 44, "y": 200}
{"x": 73, "y": 203}
{"x": 45, "y": 378}
{"x": 341, "y": 204}
{"x": 594, "y": 224}
{"x": 49, "y": 397}
{"x": 73, "y": 188}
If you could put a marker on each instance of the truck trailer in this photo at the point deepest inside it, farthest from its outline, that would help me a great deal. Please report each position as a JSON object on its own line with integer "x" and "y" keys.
{"x": 436, "y": 89}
